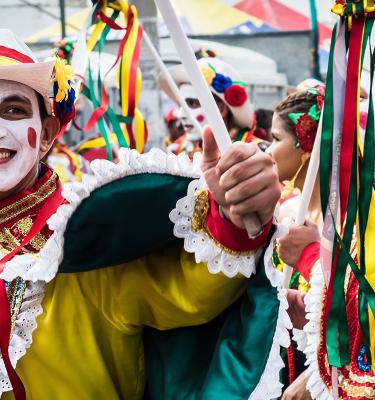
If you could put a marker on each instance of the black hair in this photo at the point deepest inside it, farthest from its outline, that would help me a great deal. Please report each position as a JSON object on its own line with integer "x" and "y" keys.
{"x": 42, "y": 107}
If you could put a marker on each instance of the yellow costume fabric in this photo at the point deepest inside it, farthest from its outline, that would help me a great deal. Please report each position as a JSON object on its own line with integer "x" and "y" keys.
{"x": 88, "y": 343}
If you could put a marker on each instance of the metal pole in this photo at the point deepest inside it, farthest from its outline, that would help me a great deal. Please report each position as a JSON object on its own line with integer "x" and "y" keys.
{"x": 315, "y": 67}
{"x": 62, "y": 17}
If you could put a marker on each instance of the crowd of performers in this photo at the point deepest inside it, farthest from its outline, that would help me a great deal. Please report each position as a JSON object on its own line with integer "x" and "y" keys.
{"x": 134, "y": 278}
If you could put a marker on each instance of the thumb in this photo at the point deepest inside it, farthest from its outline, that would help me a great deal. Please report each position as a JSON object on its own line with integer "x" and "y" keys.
{"x": 210, "y": 153}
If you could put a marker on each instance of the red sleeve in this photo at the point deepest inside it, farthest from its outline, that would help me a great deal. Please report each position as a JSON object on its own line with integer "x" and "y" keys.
{"x": 229, "y": 235}
{"x": 309, "y": 256}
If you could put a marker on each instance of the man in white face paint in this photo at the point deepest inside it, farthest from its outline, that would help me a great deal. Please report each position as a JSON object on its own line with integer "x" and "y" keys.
{"x": 112, "y": 237}
{"x": 24, "y": 137}
{"x": 230, "y": 95}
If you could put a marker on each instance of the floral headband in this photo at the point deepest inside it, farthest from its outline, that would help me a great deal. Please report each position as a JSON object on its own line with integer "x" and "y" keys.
{"x": 307, "y": 123}
{"x": 234, "y": 91}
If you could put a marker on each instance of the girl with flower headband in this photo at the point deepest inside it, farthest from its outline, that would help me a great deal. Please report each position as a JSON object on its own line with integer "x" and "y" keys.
{"x": 294, "y": 128}
{"x": 298, "y": 116}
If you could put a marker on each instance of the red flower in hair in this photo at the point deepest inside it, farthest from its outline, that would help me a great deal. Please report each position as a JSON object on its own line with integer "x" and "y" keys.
{"x": 235, "y": 95}
{"x": 306, "y": 131}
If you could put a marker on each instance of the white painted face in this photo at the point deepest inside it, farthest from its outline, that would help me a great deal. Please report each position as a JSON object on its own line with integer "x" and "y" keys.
{"x": 20, "y": 133}
{"x": 191, "y": 98}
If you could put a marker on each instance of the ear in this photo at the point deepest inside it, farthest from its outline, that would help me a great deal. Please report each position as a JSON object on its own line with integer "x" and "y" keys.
{"x": 50, "y": 128}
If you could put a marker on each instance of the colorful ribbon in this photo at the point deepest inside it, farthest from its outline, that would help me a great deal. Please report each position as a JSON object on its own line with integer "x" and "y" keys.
{"x": 104, "y": 18}
{"x": 347, "y": 192}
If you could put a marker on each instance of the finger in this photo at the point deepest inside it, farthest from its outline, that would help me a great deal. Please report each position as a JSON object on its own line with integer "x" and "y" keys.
{"x": 241, "y": 171}
{"x": 210, "y": 153}
{"x": 238, "y": 152}
{"x": 246, "y": 189}
{"x": 310, "y": 224}
{"x": 255, "y": 203}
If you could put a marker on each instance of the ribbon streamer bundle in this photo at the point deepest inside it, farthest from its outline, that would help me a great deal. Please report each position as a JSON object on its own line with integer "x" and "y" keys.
{"x": 347, "y": 164}
{"x": 103, "y": 18}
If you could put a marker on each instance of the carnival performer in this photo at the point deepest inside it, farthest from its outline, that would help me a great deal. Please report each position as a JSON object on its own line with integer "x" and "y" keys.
{"x": 294, "y": 127}
{"x": 230, "y": 95}
{"x": 77, "y": 291}
{"x": 176, "y": 140}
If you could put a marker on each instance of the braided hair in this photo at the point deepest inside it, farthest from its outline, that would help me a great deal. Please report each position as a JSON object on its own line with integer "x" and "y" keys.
{"x": 300, "y": 113}
{"x": 297, "y": 102}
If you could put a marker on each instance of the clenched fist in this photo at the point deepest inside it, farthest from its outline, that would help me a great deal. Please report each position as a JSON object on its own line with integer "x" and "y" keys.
{"x": 292, "y": 244}
{"x": 243, "y": 180}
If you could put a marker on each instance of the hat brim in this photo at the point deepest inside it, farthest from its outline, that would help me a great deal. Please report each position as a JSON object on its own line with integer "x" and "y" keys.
{"x": 35, "y": 75}
{"x": 243, "y": 116}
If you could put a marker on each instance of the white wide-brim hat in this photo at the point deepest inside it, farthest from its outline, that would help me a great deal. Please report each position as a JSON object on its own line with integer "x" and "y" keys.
{"x": 243, "y": 115}
{"x": 18, "y": 64}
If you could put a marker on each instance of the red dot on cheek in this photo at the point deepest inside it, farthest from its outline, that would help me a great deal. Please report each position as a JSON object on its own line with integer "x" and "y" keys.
{"x": 200, "y": 118}
{"x": 31, "y": 137}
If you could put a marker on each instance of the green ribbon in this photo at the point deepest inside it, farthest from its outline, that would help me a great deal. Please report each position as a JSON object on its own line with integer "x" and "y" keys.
{"x": 327, "y": 131}
{"x": 110, "y": 117}
{"x": 314, "y": 112}
{"x": 100, "y": 122}
{"x": 294, "y": 117}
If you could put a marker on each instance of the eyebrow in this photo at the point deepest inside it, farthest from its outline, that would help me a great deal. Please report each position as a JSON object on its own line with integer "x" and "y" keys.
{"x": 14, "y": 98}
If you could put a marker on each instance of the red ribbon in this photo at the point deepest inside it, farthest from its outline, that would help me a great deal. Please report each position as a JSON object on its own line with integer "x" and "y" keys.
{"x": 15, "y": 55}
{"x": 47, "y": 209}
{"x": 97, "y": 114}
{"x": 110, "y": 22}
{"x": 5, "y": 328}
{"x": 350, "y": 113}
{"x": 291, "y": 363}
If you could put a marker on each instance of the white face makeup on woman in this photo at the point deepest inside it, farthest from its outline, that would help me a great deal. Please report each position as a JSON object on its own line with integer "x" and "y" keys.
{"x": 20, "y": 133}
{"x": 196, "y": 110}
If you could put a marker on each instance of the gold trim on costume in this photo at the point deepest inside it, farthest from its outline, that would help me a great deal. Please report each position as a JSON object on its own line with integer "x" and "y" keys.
{"x": 200, "y": 210}
{"x": 26, "y": 203}
{"x": 226, "y": 249}
{"x": 359, "y": 391}
{"x": 15, "y": 292}
{"x": 362, "y": 379}
{"x": 24, "y": 225}
{"x": 198, "y": 223}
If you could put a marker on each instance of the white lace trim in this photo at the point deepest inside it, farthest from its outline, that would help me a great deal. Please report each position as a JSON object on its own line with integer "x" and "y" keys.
{"x": 313, "y": 302}
{"x": 202, "y": 245}
{"x": 300, "y": 337}
{"x": 25, "y": 324}
{"x": 37, "y": 269}
{"x": 269, "y": 386}
{"x": 44, "y": 266}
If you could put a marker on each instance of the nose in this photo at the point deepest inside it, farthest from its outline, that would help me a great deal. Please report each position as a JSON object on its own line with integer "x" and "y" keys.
{"x": 3, "y": 132}
{"x": 181, "y": 113}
